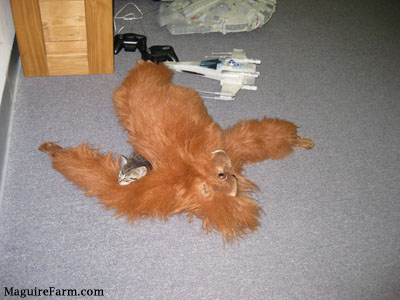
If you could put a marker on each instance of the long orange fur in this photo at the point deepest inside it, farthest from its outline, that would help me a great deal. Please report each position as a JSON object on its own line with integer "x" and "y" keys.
{"x": 170, "y": 126}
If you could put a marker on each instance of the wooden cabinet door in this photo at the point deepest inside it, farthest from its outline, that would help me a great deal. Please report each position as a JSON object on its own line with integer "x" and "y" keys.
{"x": 64, "y": 37}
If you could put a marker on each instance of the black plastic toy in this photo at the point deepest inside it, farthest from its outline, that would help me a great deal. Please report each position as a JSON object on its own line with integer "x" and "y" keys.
{"x": 160, "y": 54}
{"x": 132, "y": 41}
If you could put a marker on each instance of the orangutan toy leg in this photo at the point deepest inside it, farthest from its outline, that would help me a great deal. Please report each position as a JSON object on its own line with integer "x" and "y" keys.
{"x": 253, "y": 141}
{"x": 141, "y": 80}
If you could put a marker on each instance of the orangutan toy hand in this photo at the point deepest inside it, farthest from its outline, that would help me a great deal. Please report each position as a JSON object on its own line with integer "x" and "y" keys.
{"x": 196, "y": 166}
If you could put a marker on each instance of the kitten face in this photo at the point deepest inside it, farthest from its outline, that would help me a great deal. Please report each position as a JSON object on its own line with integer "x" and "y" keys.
{"x": 125, "y": 178}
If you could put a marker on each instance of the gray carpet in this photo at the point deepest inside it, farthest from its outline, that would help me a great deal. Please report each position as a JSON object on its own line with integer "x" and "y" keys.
{"x": 331, "y": 228}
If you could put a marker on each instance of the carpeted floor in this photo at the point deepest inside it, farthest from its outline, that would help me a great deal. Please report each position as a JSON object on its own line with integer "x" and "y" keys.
{"x": 331, "y": 228}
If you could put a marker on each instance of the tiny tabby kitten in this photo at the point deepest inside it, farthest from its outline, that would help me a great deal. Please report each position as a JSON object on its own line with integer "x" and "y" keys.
{"x": 132, "y": 168}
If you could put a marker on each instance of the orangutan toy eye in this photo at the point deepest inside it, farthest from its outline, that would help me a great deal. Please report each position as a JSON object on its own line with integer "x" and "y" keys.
{"x": 222, "y": 176}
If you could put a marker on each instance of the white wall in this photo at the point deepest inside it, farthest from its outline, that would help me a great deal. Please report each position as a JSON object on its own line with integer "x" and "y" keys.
{"x": 7, "y": 33}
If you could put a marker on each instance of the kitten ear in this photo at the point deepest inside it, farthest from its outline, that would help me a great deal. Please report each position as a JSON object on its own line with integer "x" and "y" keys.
{"x": 141, "y": 171}
{"x": 123, "y": 161}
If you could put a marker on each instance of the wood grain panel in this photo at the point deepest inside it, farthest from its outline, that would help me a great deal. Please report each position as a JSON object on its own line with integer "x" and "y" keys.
{"x": 62, "y": 13}
{"x": 68, "y": 64}
{"x": 58, "y": 0}
{"x": 63, "y": 20}
{"x": 65, "y": 34}
{"x": 99, "y": 28}
{"x": 66, "y": 48}
{"x": 28, "y": 28}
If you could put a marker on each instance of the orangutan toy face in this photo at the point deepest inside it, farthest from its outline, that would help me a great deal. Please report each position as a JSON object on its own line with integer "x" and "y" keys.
{"x": 224, "y": 180}
{"x": 219, "y": 196}
{"x": 223, "y": 166}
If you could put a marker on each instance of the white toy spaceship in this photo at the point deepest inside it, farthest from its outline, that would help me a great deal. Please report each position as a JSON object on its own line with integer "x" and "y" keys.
{"x": 233, "y": 69}
{"x": 204, "y": 16}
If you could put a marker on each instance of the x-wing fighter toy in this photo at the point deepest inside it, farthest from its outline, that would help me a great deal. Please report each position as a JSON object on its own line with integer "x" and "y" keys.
{"x": 233, "y": 69}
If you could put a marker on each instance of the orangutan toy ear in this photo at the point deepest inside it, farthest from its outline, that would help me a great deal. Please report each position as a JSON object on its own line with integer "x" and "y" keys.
{"x": 222, "y": 161}
{"x": 204, "y": 190}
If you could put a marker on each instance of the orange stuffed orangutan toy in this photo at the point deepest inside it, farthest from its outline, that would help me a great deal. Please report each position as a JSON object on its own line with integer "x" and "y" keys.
{"x": 196, "y": 165}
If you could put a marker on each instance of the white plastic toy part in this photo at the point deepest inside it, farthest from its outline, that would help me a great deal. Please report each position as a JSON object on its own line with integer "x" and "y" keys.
{"x": 205, "y": 16}
{"x": 233, "y": 69}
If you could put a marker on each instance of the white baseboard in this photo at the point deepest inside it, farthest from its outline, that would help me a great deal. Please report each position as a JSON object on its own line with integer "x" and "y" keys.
{"x": 6, "y": 104}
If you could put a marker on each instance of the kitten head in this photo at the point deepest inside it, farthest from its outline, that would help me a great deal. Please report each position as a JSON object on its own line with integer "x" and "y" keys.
{"x": 129, "y": 173}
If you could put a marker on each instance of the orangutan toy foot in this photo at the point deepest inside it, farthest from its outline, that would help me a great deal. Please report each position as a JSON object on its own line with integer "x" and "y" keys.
{"x": 304, "y": 143}
{"x": 49, "y": 148}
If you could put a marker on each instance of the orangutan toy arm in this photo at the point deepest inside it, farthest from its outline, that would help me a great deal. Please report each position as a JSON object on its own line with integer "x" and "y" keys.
{"x": 86, "y": 167}
{"x": 253, "y": 140}
{"x": 97, "y": 174}
{"x": 91, "y": 171}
